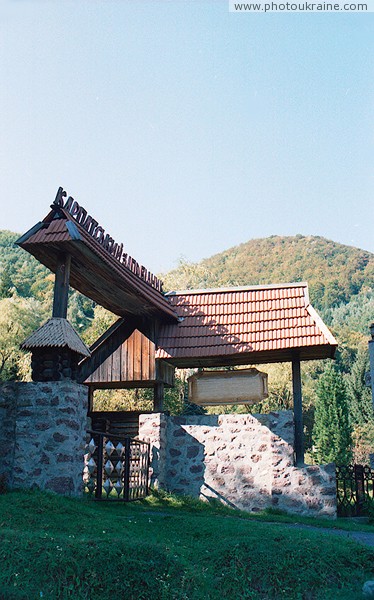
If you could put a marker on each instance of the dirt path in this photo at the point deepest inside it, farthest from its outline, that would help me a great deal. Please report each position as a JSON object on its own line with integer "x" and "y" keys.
{"x": 363, "y": 537}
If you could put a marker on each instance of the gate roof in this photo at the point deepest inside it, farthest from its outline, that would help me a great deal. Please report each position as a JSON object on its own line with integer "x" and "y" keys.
{"x": 126, "y": 289}
{"x": 246, "y": 325}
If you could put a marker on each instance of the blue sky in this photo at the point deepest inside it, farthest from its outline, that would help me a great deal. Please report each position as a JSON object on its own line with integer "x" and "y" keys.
{"x": 185, "y": 129}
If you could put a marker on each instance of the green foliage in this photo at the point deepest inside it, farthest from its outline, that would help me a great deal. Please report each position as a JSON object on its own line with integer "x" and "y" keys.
{"x": 280, "y": 389}
{"x": 6, "y": 283}
{"x": 101, "y": 321}
{"x": 166, "y": 549}
{"x": 19, "y": 317}
{"x": 332, "y": 430}
{"x": 23, "y": 269}
{"x": 360, "y": 399}
{"x": 186, "y": 276}
{"x": 363, "y": 440}
{"x": 142, "y": 399}
{"x": 80, "y": 311}
{"x": 132, "y": 399}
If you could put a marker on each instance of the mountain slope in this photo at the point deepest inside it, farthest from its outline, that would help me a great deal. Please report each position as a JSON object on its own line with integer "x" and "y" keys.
{"x": 335, "y": 272}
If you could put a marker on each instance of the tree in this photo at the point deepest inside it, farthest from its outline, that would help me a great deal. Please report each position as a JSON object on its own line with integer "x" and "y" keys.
{"x": 360, "y": 400}
{"x": 6, "y": 283}
{"x": 186, "y": 276}
{"x": 101, "y": 321}
{"x": 19, "y": 317}
{"x": 332, "y": 435}
{"x": 363, "y": 439}
{"x": 80, "y": 311}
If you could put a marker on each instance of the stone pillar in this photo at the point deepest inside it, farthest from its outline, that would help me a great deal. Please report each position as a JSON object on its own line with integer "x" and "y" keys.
{"x": 43, "y": 437}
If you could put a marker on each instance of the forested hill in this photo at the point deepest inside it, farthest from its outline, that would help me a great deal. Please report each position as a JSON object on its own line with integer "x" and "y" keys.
{"x": 335, "y": 272}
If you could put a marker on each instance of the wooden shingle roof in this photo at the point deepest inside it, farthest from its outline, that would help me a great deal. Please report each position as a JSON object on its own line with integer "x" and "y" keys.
{"x": 56, "y": 333}
{"x": 246, "y": 325}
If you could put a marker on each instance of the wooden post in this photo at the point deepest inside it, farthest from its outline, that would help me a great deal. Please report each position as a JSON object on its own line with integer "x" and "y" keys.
{"x": 158, "y": 398}
{"x": 61, "y": 289}
{"x": 298, "y": 410}
{"x": 90, "y": 398}
{"x": 360, "y": 489}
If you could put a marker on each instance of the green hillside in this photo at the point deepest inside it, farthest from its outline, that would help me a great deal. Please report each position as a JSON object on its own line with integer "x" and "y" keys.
{"x": 333, "y": 271}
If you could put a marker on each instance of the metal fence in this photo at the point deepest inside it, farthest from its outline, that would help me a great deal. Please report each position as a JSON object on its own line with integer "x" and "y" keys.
{"x": 116, "y": 467}
{"x": 354, "y": 490}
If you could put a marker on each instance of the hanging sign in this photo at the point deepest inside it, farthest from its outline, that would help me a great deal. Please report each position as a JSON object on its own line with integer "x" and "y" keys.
{"x": 244, "y": 386}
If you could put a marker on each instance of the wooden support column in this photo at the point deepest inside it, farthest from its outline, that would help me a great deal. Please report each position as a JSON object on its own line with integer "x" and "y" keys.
{"x": 90, "y": 398}
{"x": 298, "y": 410}
{"x": 61, "y": 289}
{"x": 158, "y": 401}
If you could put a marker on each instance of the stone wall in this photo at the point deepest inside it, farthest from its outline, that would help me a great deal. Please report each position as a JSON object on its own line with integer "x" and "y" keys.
{"x": 42, "y": 435}
{"x": 246, "y": 461}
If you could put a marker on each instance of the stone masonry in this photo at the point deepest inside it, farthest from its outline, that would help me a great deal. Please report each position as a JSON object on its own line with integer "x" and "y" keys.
{"x": 42, "y": 435}
{"x": 245, "y": 461}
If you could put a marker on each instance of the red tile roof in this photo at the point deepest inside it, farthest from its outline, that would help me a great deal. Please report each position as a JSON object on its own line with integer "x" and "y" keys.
{"x": 244, "y": 325}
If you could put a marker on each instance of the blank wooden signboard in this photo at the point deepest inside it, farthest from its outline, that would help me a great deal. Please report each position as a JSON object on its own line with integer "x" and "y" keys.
{"x": 245, "y": 386}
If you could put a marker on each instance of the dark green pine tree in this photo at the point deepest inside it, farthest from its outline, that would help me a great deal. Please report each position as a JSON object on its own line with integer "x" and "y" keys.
{"x": 6, "y": 283}
{"x": 360, "y": 400}
{"x": 332, "y": 431}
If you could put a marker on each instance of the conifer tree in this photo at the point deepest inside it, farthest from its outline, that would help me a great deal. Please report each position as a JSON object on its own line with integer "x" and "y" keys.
{"x": 332, "y": 434}
{"x": 360, "y": 400}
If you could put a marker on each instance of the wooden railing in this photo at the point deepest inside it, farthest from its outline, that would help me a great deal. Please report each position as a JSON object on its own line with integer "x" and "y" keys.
{"x": 354, "y": 490}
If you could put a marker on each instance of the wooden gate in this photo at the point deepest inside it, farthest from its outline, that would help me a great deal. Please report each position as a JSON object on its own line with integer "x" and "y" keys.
{"x": 116, "y": 468}
{"x": 354, "y": 490}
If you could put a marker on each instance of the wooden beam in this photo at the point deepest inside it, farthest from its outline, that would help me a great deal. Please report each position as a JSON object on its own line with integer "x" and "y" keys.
{"x": 158, "y": 398}
{"x": 61, "y": 289}
{"x": 90, "y": 398}
{"x": 104, "y": 347}
{"x": 298, "y": 410}
{"x": 165, "y": 373}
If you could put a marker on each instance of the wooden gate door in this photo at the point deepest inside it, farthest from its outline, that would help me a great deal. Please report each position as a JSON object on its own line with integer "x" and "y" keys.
{"x": 116, "y": 468}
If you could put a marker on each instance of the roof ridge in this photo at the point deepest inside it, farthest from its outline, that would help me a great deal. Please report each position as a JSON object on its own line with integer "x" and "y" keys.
{"x": 247, "y": 288}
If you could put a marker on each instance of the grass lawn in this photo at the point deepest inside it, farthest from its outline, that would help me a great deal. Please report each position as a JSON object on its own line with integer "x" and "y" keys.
{"x": 167, "y": 548}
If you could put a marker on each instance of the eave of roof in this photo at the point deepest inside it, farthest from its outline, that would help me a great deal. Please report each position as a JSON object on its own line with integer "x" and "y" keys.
{"x": 94, "y": 272}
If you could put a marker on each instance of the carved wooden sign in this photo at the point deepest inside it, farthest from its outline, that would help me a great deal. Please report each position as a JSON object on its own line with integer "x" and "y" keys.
{"x": 244, "y": 386}
{"x": 99, "y": 234}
